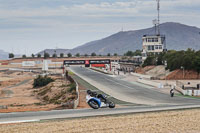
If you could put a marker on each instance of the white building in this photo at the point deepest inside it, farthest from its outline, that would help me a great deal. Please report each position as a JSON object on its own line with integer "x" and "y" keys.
{"x": 152, "y": 44}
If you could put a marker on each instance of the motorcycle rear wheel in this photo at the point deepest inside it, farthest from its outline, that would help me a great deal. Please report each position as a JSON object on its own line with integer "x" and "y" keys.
{"x": 93, "y": 104}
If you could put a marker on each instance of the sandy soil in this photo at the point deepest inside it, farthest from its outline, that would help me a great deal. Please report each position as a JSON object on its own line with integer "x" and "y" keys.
{"x": 20, "y": 97}
{"x": 186, "y": 121}
{"x": 144, "y": 70}
{"x": 179, "y": 75}
{"x": 17, "y": 93}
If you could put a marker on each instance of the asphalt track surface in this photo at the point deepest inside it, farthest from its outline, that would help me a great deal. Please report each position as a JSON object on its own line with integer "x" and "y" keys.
{"x": 19, "y": 117}
{"x": 133, "y": 91}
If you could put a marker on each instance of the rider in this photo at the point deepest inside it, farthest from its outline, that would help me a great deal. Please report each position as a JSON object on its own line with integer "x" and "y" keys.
{"x": 102, "y": 97}
{"x": 91, "y": 93}
{"x": 172, "y": 92}
{"x": 94, "y": 94}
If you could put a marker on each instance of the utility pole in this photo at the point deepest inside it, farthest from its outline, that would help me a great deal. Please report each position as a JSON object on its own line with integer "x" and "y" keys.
{"x": 55, "y": 58}
{"x": 158, "y": 9}
{"x": 165, "y": 63}
{"x": 182, "y": 67}
{"x": 155, "y": 24}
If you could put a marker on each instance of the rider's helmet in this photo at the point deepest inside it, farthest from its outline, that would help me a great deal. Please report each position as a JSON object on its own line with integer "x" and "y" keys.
{"x": 89, "y": 92}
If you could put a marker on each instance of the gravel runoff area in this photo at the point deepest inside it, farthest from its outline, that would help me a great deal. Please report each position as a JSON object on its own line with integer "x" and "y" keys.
{"x": 182, "y": 121}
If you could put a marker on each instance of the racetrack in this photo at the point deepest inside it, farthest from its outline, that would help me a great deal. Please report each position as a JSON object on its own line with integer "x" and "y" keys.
{"x": 19, "y": 117}
{"x": 130, "y": 92}
{"x": 181, "y": 121}
{"x": 145, "y": 99}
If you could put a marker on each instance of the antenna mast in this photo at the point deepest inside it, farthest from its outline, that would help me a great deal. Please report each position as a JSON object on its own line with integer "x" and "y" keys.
{"x": 158, "y": 8}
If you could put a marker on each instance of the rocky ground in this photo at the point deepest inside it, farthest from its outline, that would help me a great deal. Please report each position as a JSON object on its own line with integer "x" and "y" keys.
{"x": 183, "y": 121}
{"x": 17, "y": 93}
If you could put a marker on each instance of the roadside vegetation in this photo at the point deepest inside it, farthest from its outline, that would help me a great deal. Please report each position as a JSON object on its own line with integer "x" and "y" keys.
{"x": 188, "y": 60}
{"x": 131, "y": 53}
{"x": 57, "y": 92}
{"x": 54, "y": 91}
{"x": 42, "y": 81}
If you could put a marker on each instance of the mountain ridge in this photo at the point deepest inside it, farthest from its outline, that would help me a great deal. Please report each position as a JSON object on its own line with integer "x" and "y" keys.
{"x": 178, "y": 37}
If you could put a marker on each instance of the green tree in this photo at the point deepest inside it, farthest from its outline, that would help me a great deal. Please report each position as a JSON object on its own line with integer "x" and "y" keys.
{"x": 11, "y": 55}
{"x": 69, "y": 55}
{"x": 46, "y": 55}
{"x": 86, "y": 55}
{"x": 42, "y": 81}
{"x": 54, "y": 55}
{"x": 93, "y": 54}
{"x": 39, "y": 55}
{"x": 137, "y": 53}
{"x": 150, "y": 60}
{"x": 160, "y": 59}
{"x": 115, "y": 54}
{"x": 129, "y": 53}
{"x": 77, "y": 55}
{"x": 108, "y": 54}
{"x": 24, "y": 56}
{"x": 61, "y": 55}
{"x": 196, "y": 61}
{"x": 188, "y": 59}
{"x": 33, "y": 55}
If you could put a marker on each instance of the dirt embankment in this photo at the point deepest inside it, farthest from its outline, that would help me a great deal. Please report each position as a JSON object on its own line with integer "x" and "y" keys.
{"x": 141, "y": 70}
{"x": 17, "y": 93}
{"x": 181, "y": 75}
{"x": 60, "y": 92}
{"x": 159, "y": 72}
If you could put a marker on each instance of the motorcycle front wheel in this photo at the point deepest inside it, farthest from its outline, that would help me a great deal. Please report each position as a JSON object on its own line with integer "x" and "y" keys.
{"x": 111, "y": 105}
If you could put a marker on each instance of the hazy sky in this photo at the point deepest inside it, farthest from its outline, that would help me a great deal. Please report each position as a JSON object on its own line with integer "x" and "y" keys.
{"x": 28, "y": 26}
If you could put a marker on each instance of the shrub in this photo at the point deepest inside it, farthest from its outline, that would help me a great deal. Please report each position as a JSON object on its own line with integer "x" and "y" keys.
{"x": 72, "y": 87}
{"x": 42, "y": 81}
{"x": 11, "y": 55}
{"x": 61, "y": 55}
{"x": 93, "y": 54}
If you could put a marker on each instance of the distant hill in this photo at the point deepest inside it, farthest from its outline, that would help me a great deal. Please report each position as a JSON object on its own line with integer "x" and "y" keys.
{"x": 178, "y": 37}
{"x": 52, "y": 51}
{"x": 3, "y": 55}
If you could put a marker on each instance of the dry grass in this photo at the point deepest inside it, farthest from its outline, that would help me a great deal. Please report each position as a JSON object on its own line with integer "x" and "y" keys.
{"x": 163, "y": 122}
{"x": 24, "y": 97}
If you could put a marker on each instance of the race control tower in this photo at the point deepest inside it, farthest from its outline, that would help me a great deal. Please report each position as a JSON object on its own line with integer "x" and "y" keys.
{"x": 155, "y": 43}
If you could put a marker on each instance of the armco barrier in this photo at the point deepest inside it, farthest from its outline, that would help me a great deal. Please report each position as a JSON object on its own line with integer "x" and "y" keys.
{"x": 151, "y": 83}
{"x": 76, "y": 102}
{"x": 102, "y": 71}
{"x": 141, "y": 75}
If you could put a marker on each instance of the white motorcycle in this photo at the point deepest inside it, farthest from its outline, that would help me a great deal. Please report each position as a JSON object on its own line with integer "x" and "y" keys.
{"x": 96, "y": 101}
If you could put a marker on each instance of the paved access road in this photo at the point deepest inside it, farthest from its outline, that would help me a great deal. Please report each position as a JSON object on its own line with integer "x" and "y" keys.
{"x": 77, "y": 113}
{"x": 130, "y": 92}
